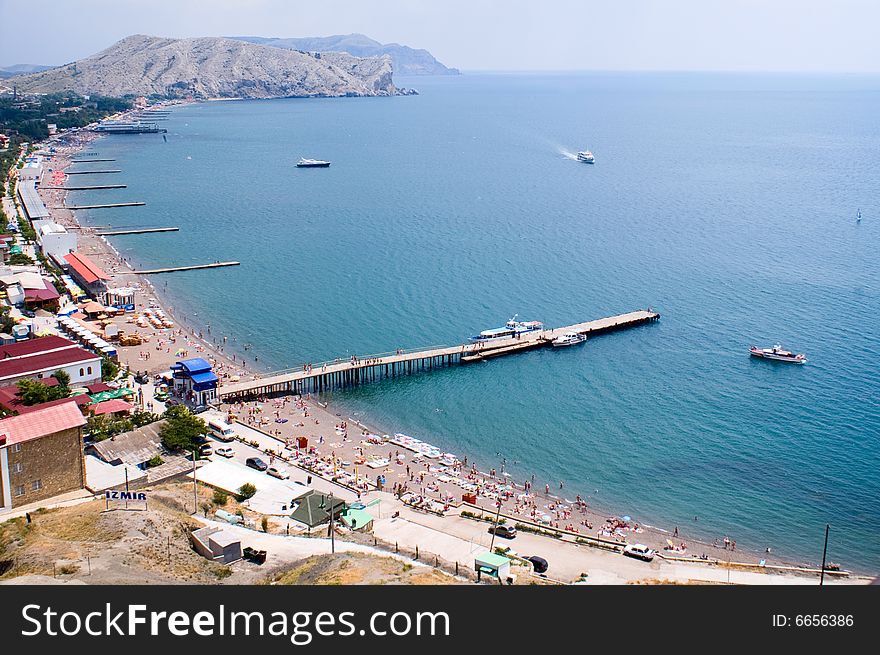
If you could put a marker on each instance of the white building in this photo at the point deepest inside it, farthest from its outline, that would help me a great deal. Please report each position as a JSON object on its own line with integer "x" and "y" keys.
{"x": 55, "y": 241}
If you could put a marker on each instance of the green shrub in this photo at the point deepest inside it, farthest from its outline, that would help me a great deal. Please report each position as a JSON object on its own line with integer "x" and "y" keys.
{"x": 220, "y": 497}
{"x": 245, "y": 491}
{"x": 154, "y": 461}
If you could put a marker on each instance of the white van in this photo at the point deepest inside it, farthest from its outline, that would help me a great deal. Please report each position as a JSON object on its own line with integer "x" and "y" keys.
{"x": 221, "y": 431}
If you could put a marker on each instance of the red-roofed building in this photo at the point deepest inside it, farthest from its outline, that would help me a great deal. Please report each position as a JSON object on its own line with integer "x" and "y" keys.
{"x": 34, "y": 346}
{"x": 41, "y": 454}
{"x": 45, "y": 298}
{"x": 87, "y": 273}
{"x": 39, "y": 358}
{"x": 112, "y": 406}
{"x": 10, "y": 399}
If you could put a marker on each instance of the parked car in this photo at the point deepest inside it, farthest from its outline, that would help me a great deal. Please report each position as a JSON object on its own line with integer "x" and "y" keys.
{"x": 205, "y": 450}
{"x": 539, "y": 564}
{"x": 225, "y": 451}
{"x": 503, "y": 530}
{"x": 256, "y": 463}
{"x": 198, "y": 409}
{"x": 200, "y": 439}
{"x": 279, "y": 473}
{"x": 639, "y": 551}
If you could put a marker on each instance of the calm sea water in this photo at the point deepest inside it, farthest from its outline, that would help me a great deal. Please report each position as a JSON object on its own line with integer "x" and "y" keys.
{"x": 726, "y": 202}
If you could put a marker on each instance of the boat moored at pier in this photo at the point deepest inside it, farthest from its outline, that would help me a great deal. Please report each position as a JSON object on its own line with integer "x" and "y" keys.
{"x": 569, "y": 339}
{"x": 776, "y": 353}
{"x": 513, "y": 328}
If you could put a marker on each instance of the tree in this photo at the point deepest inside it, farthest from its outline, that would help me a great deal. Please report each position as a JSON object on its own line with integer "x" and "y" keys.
{"x": 245, "y": 491}
{"x": 109, "y": 369}
{"x": 181, "y": 429}
{"x": 20, "y": 259}
{"x": 34, "y": 392}
{"x": 6, "y": 322}
{"x": 63, "y": 388}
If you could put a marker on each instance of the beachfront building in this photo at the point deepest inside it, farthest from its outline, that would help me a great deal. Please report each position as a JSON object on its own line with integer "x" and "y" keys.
{"x": 120, "y": 298}
{"x": 31, "y": 201}
{"x": 87, "y": 274}
{"x": 54, "y": 240}
{"x": 41, "y": 454}
{"x": 194, "y": 381}
{"x": 31, "y": 290}
{"x": 39, "y": 358}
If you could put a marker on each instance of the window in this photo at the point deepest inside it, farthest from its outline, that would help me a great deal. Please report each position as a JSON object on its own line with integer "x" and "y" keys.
{"x": 19, "y": 490}
{"x": 16, "y": 447}
{"x": 18, "y": 467}
{"x": 82, "y": 372}
{"x": 36, "y": 485}
{"x": 90, "y": 370}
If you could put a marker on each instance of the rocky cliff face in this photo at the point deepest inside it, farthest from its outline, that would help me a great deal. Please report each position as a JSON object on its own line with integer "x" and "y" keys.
{"x": 214, "y": 68}
{"x": 406, "y": 60}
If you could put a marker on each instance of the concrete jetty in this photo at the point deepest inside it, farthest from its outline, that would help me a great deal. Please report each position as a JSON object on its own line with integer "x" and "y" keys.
{"x": 112, "y": 170}
{"x": 174, "y": 269}
{"x": 105, "y": 206}
{"x": 345, "y": 372}
{"x": 88, "y": 161}
{"x": 142, "y": 230}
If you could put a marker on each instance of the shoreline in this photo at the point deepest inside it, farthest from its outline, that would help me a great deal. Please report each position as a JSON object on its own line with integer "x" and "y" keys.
{"x": 229, "y": 363}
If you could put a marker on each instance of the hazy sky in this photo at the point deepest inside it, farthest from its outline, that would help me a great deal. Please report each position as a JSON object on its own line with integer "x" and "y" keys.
{"x": 800, "y": 35}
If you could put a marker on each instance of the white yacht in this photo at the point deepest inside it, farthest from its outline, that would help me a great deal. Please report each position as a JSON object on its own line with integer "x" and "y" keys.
{"x": 312, "y": 163}
{"x": 569, "y": 339}
{"x": 587, "y": 157}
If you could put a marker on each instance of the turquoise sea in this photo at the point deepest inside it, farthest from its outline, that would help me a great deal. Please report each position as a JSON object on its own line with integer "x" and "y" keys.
{"x": 726, "y": 202}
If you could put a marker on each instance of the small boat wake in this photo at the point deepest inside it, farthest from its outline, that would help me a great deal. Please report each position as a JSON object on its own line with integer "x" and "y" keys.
{"x": 566, "y": 153}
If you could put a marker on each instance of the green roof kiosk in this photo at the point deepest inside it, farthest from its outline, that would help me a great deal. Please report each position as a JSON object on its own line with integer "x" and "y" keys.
{"x": 497, "y": 566}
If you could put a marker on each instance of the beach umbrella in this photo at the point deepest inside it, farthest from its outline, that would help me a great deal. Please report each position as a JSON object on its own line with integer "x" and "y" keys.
{"x": 627, "y": 518}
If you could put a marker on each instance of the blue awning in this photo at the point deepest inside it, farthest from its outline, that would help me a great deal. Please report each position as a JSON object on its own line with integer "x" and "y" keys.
{"x": 195, "y": 365}
{"x": 204, "y": 378}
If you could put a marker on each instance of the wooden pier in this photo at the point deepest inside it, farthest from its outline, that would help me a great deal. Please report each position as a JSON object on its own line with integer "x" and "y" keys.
{"x": 345, "y": 372}
{"x": 194, "y": 267}
{"x": 88, "y": 161}
{"x": 86, "y": 188}
{"x": 142, "y": 230}
{"x": 109, "y": 205}
{"x": 110, "y": 170}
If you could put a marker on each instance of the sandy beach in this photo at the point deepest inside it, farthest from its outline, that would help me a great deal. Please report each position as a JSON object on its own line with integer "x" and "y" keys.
{"x": 343, "y": 443}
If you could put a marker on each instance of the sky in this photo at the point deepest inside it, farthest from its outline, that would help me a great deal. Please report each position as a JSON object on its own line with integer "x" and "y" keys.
{"x": 517, "y": 35}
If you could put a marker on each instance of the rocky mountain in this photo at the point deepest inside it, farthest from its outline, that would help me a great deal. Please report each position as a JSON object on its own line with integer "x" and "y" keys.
{"x": 213, "y": 67}
{"x": 406, "y": 60}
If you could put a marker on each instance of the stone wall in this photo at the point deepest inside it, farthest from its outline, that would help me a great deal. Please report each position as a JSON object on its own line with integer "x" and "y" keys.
{"x": 56, "y": 461}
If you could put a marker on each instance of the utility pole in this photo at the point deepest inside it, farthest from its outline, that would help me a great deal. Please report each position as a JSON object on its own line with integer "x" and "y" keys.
{"x": 824, "y": 553}
{"x": 495, "y": 526}
{"x": 195, "y": 487}
{"x": 332, "y": 536}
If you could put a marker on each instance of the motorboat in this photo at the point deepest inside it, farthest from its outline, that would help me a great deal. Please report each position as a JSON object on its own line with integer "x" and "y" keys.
{"x": 569, "y": 339}
{"x": 312, "y": 163}
{"x": 778, "y": 354}
{"x": 512, "y": 328}
{"x": 586, "y": 156}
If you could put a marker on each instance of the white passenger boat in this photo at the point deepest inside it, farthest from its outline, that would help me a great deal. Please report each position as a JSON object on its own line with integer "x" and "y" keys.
{"x": 587, "y": 157}
{"x": 511, "y": 329}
